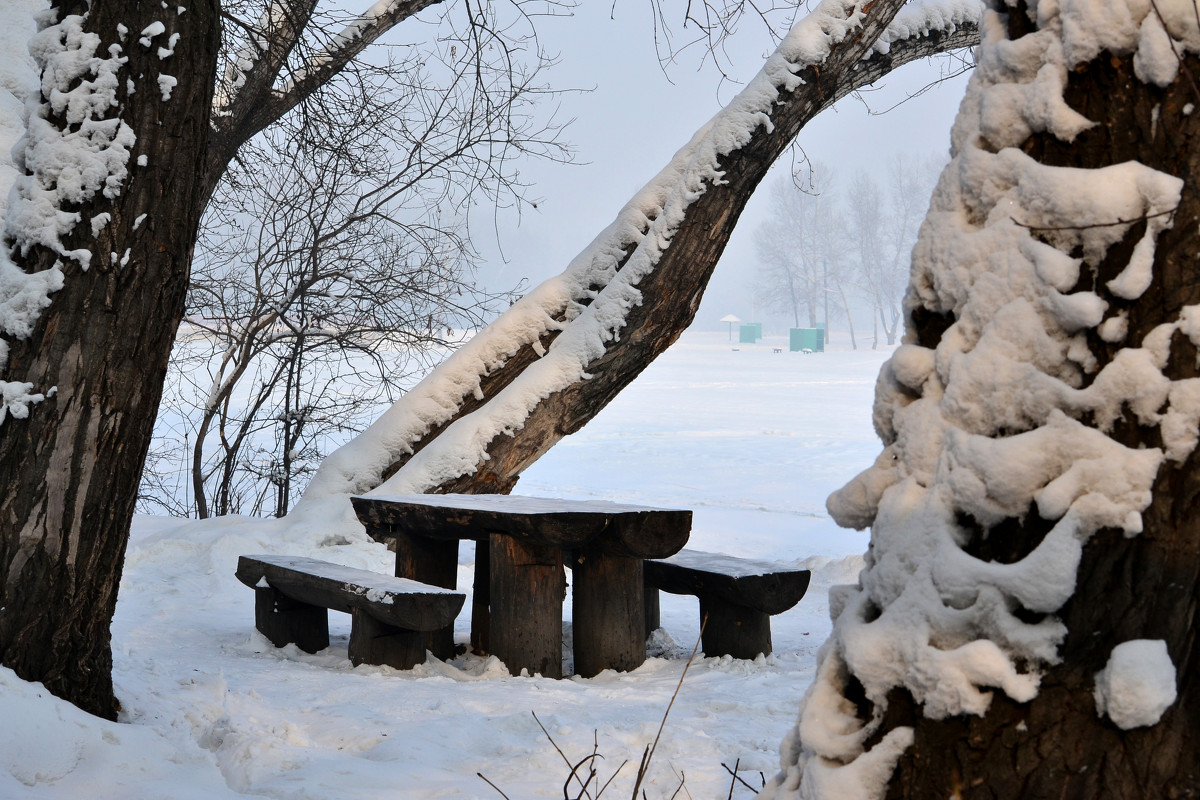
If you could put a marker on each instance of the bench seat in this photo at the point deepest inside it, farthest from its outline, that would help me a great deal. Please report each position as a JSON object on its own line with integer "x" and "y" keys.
{"x": 389, "y": 615}
{"x": 737, "y": 597}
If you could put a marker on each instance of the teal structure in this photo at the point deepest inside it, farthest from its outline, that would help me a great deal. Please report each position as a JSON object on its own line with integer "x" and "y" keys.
{"x": 750, "y": 333}
{"x": 811, "y": 339}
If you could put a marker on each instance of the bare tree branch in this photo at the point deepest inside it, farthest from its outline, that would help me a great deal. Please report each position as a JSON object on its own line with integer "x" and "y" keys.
{"x": 259, "y": 103}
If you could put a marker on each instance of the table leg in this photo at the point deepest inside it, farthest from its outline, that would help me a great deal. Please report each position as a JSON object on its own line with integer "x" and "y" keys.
{"x": 481, "y": 613}
{"x": 432, "y": 561}
{"x": 608, "y": 613}
{"x": 527, "y": 592}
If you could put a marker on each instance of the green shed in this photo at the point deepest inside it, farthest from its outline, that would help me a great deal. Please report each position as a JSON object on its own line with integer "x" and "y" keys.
{"x": 810, "y": 339}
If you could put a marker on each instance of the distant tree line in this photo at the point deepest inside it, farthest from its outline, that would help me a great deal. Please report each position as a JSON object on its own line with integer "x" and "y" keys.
{"x": 829, "y": 246}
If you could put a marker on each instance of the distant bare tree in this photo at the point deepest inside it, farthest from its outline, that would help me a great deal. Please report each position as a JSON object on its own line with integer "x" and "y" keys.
{"x": 791, "y": 255}
{"x": 882, "y": 219}
{"x": 800, "y": 265}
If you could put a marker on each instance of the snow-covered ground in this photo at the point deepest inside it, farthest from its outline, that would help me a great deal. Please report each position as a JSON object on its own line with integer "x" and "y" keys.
{"x": 750, "y": 439}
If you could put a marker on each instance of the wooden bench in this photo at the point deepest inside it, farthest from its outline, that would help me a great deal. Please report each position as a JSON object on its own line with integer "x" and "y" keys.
{"x": 519, "y": 557}
{"x": 389, "y": 615}
{"x": 737, "y": 597}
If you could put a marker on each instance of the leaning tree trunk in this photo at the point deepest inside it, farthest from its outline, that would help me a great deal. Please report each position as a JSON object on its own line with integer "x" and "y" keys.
{"x": 672, "y": 293}
{"x": 1017, "y": 542}
{"x": 71, "y": 469}
{"x": 668, "y": 296}
{"x": 1141, "y": 587}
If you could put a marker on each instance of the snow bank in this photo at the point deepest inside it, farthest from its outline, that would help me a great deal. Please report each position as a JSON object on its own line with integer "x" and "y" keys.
{"x": 987, "y": 426}
{"x": 46, "y": 742}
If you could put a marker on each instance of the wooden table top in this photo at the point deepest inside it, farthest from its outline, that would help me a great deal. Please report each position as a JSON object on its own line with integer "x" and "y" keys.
{"x": 636, "y": 531}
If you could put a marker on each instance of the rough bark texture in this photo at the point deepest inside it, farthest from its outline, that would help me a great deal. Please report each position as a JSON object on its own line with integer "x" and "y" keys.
{"x": 1145, "y": 587}
{"x": 672, "y": 293}
{"x": 528, "y": 589}
{"x": 606, "y": 597}
{"x": 71, "y": 470}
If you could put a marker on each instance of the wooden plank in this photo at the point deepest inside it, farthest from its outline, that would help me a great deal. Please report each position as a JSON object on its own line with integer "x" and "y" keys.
{"x": 481, "y": 600}
{"x": 435, "y": 562}
{"x": 733, "y": 630}
{"x": 608, "y": 617}
{"x": 568, "y": 524}
{"x": 374, "y": 642}
{"x": 527, "y": 592}
{"x": 395, "y": 601}
{"x": 763, "y": 586}
{"x": 286, "y": 621}
{"x": 653, "y": 613}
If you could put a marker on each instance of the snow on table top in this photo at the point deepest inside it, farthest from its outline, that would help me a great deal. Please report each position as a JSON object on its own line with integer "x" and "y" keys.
{"x": 517, "y": 504}
{"x": 722, "y": 564}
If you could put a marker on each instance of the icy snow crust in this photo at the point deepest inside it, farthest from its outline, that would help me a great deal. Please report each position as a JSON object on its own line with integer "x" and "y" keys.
{"x": 987, "y": 424}
{"x": 648, "y": 221}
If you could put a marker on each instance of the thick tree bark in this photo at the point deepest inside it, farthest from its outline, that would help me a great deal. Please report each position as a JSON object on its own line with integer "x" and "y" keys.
{"x": 71, "y": 470}
{"x": 672, "y": 293}
{"x": 1143, "y": 587}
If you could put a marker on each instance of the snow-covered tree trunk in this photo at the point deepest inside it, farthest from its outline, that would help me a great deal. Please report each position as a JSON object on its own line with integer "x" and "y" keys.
{"x": 1025, "y": 625}
{"x": 126, "y": 92}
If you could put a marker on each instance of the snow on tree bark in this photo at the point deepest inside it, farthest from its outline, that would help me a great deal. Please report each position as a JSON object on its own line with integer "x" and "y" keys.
{"x": 550, "y": 363}
{"x": 98, "y": 350}
{"x": 1033, "y": 511}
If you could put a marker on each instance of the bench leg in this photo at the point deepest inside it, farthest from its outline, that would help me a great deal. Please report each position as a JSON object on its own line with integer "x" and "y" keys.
{"x": 733, "y": 630}
{"x": 481, "y": 598}
{"x": 375, "y": 642}
{"x": 608, "y": 613}
{"x": 432, "y": 561}
{"x": 527, "y": 588}
{"x": 287, "y": 621}
{"x": 650, "y": 605}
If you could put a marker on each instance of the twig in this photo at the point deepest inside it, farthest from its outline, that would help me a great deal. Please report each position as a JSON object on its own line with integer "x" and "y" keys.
{"x": 1020, "y": 224}
{"x": 494, "y": 786}
{"x": 679, "y": 788}
{"x": 738, "y": 778}
{"x": 648, "y": 754}
{"x": 1171, "y": 40}
{"x": 561, "y": 754}
{"x": 610, "y": 780}
{"x": 575, "y": 774}
{"x": 962, "y": 70}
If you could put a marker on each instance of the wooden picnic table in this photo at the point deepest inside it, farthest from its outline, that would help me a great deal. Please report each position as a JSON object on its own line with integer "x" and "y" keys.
{"x": 519, "y": 579}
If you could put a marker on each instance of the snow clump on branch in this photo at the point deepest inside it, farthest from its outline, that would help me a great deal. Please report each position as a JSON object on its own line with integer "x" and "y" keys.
{"x": 985, "y": 426}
